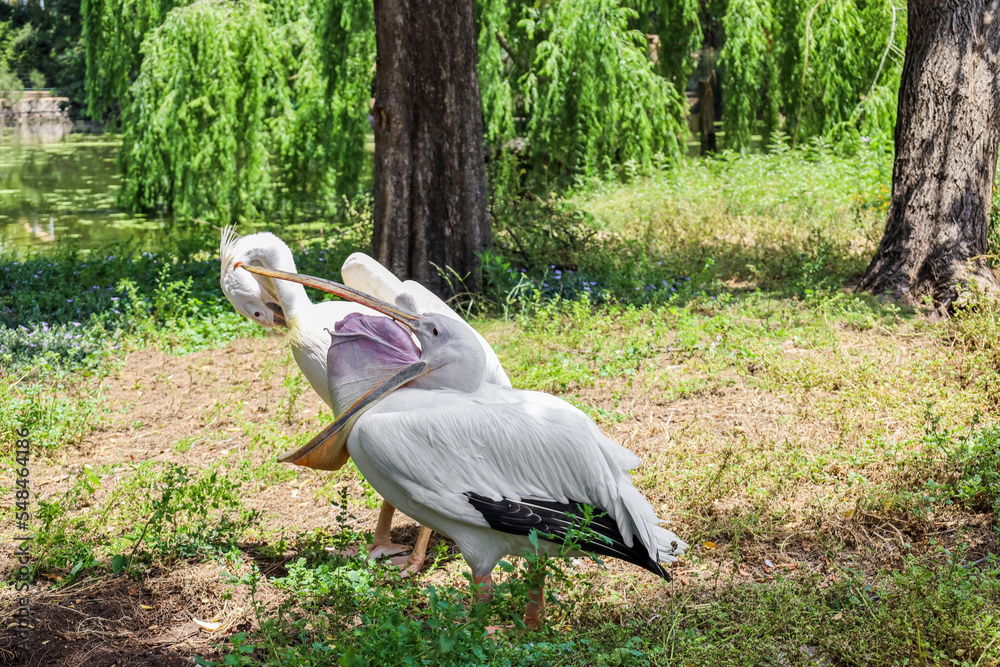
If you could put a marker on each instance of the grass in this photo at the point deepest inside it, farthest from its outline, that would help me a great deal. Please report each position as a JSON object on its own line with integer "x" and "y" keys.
{"x": 831, "y": 458}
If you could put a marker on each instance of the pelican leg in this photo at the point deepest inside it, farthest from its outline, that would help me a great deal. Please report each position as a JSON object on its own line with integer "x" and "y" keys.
{"x": 381, "y": 544}
{"x": 482, "y": 591}
{"x": 536, "y": 601}
{"x": 482, "y": 588}
{"x": 419, "y": 554}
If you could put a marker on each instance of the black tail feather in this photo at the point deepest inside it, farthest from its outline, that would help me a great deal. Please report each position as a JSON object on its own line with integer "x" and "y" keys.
{"x": 553, "y": 520}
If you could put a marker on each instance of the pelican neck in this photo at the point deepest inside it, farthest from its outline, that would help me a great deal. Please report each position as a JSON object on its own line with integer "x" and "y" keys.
{"x": 291, "y": 296}
{"x": 276, "y": 255}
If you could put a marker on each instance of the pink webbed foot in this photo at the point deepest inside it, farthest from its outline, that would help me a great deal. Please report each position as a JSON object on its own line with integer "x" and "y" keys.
{"x": 408, "y": 565}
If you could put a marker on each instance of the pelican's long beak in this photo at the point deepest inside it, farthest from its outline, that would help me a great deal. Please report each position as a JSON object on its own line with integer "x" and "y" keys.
{"x": 328, "y": 450}
{"x": 401, "y": 315}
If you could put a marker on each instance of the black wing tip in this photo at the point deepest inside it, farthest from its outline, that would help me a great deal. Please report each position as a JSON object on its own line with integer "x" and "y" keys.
{"x": 546, "y": 516}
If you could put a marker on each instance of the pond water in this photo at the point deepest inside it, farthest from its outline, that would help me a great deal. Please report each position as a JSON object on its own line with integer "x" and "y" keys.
{"x": 65, "y": 191}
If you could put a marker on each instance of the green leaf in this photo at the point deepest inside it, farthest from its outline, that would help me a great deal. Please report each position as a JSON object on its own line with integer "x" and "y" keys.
{"x": 352, "y": 659}
{"x": 117, "y": 563}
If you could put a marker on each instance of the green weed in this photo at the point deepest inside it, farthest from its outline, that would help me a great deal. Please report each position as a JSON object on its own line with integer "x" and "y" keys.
{"x": 156, "y": 512}
{"x": 55, "y": 411}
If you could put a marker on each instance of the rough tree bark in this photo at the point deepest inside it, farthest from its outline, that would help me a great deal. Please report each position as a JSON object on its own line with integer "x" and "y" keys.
{"x": 947, "y": 134}
{"x": 431, "y": 204}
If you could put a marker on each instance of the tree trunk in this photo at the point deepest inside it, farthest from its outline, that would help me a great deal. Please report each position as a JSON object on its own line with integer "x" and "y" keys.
{"x": 947, "y": 134}
{"x": 431, "y": 204}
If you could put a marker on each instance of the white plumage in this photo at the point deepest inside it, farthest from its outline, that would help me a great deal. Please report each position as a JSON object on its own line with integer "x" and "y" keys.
{"x": 485, "y": 465}
{"x": 272, "y": 303}
{"x": 426, "y": 450}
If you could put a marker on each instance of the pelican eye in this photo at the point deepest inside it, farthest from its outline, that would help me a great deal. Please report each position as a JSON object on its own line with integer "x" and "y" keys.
{"x": 435, "y": 331}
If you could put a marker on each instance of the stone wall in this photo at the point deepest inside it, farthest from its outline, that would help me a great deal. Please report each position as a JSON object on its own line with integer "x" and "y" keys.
{"x": 36, "y": 114}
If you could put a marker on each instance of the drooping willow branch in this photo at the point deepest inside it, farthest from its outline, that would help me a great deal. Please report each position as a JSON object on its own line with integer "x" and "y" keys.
{"x": 892, "y": 35}
{"x": 805, "y": 70}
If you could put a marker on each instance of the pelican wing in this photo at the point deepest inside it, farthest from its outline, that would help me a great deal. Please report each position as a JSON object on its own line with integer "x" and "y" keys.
{"x": 487, "y": 462}
{"x": 623, "y": 458}
{"x": 365, "y": 274}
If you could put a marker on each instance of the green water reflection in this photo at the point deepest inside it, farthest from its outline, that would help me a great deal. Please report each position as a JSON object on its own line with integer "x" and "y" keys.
{"x": 65, "y": 191}
{"x": 61, "y": 192}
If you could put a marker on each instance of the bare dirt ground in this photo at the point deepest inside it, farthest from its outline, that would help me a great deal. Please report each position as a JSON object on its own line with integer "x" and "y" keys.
{"x": 221, "y": 402}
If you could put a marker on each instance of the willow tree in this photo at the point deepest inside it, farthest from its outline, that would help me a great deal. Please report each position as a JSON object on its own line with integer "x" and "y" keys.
{"x": 947, "y": 139}
{"x": 236, "y": 110}
{"x": 829, "y": 68}
{"x": 194, "y": 136}
{"x": 751, "y": 69}
{"x": 113, "y": 33}
{"x": 326, "y": 52}
{"x": 678, "y": 36}
{"x": 578, "y": 85}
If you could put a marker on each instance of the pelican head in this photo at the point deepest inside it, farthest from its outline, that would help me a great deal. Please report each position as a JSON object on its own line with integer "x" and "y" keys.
{"x": 252, "y": 297}
{"x": 454, "y": 357}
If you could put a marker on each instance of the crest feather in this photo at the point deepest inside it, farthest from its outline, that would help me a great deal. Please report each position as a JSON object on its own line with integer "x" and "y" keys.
{"x": 227, "y": 247}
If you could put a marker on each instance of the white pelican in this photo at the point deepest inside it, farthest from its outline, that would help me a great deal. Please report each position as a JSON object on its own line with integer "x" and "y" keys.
{"x": 484, "y": 464}
{"x": 271, "y": 303}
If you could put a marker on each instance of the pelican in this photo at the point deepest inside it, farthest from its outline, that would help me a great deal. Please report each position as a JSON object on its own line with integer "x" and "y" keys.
{"x": 485, "y": 465}
{"x": 273, "y": 303}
